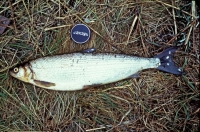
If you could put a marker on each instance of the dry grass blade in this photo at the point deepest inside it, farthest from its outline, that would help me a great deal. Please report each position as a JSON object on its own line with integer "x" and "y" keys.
{"x": 155, "y": 101}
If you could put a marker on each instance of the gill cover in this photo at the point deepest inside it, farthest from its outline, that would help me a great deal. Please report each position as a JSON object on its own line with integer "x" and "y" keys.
{"x": 167, "y": 64}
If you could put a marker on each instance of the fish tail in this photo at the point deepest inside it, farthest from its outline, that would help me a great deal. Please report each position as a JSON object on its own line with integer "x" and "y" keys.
{"x": 167, "y": 64}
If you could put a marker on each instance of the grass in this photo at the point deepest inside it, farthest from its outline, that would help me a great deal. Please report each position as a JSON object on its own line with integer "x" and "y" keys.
{"x": 155, "y": 101}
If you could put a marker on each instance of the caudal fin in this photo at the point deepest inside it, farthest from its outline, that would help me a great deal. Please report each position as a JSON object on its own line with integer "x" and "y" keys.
{"x": 167, "y": 63}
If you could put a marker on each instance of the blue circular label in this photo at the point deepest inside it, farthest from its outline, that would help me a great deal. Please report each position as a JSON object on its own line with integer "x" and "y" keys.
{"x": 80, "y": 33}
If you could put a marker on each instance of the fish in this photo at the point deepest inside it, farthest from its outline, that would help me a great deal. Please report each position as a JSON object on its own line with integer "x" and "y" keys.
{"x": 77, "y": 71}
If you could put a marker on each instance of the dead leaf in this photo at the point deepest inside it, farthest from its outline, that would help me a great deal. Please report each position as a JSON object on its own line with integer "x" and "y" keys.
{"x": 4, "y": 22}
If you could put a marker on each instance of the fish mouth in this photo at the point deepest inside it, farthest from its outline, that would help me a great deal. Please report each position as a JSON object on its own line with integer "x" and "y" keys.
{"x": 12, "y": 73}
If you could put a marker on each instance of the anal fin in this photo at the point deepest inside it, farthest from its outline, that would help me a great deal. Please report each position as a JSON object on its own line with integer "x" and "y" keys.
{"x": 85, "y": 87}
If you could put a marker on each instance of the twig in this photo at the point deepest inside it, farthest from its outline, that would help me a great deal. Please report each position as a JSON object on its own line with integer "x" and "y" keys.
{"x": 9, "y": 7}
{"x": 181, "y": 32}
{"x": 175, "y": 26}
{"x": 12, "y": 14}
{"x": 144, "y": 47}
{"x": 176, "y": 8}
{"x": 189, "y": 32}
{"x": 133, "y": 24}
{"x": 52, "y": 28}
{"x": 8, "y": 67}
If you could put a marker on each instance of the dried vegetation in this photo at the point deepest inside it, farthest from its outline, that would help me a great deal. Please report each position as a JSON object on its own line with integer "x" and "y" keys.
{"x": 156, "y": 101}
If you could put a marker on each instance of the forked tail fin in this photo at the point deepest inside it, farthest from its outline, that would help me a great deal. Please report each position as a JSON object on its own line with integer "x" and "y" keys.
{"x": 167, "y": 63}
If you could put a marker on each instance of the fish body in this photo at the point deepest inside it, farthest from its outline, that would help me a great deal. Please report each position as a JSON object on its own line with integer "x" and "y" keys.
{"x": 78, "y": 71}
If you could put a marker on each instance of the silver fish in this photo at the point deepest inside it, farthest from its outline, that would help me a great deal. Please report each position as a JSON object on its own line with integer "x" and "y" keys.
{"x": 78, "y": 71}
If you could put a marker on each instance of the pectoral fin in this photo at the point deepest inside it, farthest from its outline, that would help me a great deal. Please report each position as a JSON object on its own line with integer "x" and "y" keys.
{"x": 136, "y": 75}
{"x": 44, "y": 84}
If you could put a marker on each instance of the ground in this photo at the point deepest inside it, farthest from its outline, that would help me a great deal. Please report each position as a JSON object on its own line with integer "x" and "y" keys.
{"x": 155, "y": 101}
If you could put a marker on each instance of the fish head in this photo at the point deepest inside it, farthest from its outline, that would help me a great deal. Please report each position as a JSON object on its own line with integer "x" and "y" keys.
{"x": 22, "y": 73}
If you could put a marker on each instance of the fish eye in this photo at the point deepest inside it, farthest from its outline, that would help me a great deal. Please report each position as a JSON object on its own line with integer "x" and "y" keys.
{"x": 16, "y": 70}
